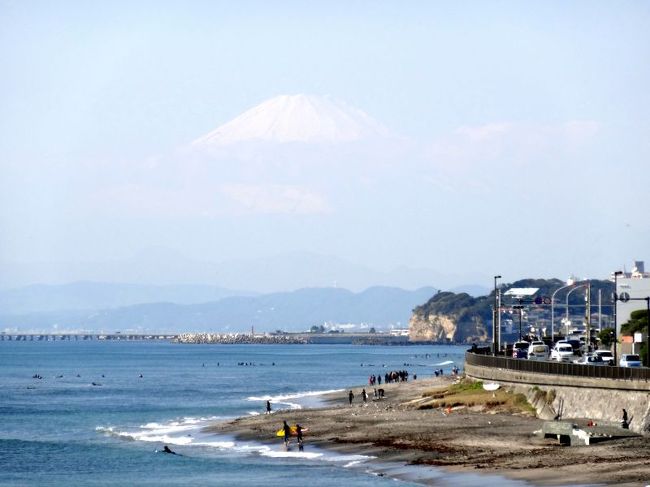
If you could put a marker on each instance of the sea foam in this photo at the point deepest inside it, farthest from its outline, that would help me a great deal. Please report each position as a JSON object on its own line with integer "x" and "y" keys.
{"x": 286, "y": 399}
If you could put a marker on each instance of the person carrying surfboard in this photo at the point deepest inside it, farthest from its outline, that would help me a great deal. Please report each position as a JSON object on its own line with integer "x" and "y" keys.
{"x": 299, "y": 436}
{"x": 287, "y": 433}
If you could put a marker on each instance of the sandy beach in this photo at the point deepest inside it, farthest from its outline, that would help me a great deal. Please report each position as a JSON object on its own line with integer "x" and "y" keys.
{"x": 478, "y": 439}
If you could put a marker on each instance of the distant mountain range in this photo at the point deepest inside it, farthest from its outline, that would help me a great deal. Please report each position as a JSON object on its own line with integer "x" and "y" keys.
{"x": 289, "y": 311}
{"x": 169, "y": 268}
{"x": 101, "y": 295}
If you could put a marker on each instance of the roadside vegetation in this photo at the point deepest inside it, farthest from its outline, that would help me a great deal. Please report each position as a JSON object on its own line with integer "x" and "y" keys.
{"x": 638, "y": 323}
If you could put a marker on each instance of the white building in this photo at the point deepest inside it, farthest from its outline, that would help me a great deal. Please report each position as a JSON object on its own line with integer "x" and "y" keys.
{"x": 637, "y": 285}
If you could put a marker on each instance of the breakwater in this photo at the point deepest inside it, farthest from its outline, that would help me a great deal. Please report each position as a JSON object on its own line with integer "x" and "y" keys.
{"x": 238, "y": 338}
{"x": 295, "y": 338}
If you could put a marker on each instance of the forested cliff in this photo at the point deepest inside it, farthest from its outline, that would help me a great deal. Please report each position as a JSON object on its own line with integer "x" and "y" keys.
{"x": 462, "y": 318}
{"x": 451, "y": 317}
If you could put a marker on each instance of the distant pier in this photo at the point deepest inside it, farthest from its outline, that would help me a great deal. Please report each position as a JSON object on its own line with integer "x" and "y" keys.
{"x": 55, "y": 337}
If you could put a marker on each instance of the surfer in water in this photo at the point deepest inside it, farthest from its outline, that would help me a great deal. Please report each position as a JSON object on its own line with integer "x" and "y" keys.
{"x": 166, "y": 449}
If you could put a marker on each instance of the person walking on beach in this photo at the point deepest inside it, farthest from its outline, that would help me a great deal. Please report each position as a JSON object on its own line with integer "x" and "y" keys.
{"x": 287, "y": 433}
{"x": 364, "y": 395}
{"x": 268, "y": 407}
{"x": 350, "y": 397}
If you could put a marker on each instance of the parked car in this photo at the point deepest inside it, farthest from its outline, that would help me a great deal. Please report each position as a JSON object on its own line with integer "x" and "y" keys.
{"x": 606, "y": 355}
{"x": 538, "y": 351}
{"x": 520, "y": 350}
{"x": 591, "y": 359}
{"x": 563, "y": 352}
{"x": 630, "y": 360}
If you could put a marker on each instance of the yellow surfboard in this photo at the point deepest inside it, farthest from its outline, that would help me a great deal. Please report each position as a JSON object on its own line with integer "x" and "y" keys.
{"x": 293, "y": 429}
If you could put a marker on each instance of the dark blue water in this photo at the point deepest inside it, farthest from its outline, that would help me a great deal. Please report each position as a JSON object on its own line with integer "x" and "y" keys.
{"x": 62, "y": 430}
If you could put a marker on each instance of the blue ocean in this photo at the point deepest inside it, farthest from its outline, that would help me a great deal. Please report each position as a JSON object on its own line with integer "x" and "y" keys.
{"x": 63, "y": 430}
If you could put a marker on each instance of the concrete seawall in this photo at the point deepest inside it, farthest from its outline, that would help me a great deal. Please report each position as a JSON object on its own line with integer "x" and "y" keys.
{"x": 598, "y": 399}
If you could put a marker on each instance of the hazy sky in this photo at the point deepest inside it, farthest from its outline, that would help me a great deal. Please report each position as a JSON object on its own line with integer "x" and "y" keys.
{"x": 522, "y": 129}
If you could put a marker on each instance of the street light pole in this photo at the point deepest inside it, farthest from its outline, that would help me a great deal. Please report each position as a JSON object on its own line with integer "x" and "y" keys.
{"x": 567, "y": 302}
{"x": 553, "y": 309}
{"x": 495, "y": 318}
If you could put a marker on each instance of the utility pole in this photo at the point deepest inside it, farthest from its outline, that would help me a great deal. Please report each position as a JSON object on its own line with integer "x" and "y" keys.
{"x": 600, "y": 311}
{"x": 520, "y": 307}
{"x": 499, "y": 318}
{"x": 588, "y": 316}
{"x": 616, "y": 274}
{"x": 495, "y": 319}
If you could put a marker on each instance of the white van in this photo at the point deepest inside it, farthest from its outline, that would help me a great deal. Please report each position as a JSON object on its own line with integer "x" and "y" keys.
{"x": 538, "y": 352}
{"x": 563, "y": 352}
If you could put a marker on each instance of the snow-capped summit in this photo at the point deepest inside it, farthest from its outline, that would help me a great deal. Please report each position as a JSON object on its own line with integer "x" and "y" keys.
{"x": 295, "y": 118}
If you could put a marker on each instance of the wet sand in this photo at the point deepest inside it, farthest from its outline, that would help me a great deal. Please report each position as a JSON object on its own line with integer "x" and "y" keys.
{"x": 467, "y": 440}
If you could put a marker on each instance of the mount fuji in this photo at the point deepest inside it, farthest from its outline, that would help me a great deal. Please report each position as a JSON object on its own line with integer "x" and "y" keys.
{"x": 295, "y": 118}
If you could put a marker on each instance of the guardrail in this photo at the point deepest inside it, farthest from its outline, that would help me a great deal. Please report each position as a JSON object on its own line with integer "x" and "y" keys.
{"x": 558, "y": 368}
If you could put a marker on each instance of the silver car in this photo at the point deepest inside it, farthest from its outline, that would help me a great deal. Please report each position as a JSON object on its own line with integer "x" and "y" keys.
{"x": 630, "y": 360}
{"x": 591, "y": 359}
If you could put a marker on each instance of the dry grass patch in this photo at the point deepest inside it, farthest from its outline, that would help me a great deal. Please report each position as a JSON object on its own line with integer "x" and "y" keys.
{"x": 471, "y": 394}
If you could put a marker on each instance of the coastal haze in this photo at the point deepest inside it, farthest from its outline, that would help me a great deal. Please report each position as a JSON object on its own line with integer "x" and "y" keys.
{"x": 425, "y": 145}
